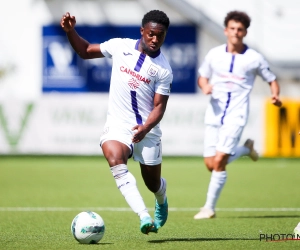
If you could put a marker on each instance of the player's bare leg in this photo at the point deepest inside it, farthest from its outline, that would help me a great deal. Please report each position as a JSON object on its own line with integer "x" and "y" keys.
{"x": 151, "y": 176}
{"x": 116, "y": 154}
{"x": 209, "y": 163}
{"x": 157, "y": 185}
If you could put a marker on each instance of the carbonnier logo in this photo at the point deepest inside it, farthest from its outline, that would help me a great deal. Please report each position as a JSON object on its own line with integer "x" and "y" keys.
{"x": 13, "y": 136}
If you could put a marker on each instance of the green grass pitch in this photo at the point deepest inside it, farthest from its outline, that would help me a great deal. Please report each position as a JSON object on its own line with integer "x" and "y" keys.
{"x": 40, "y": 196}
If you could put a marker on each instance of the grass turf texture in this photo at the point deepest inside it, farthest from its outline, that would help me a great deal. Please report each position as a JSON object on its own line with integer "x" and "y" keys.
{"x": 57, "y": 188}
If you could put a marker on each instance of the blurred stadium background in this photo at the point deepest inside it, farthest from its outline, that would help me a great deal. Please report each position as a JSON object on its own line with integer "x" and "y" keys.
{"x": 52, "y": 102}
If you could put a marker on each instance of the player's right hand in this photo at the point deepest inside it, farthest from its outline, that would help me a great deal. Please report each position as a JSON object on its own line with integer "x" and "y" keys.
{"x": 276, "y": 101}
{"x": 207, "y": 89}
{"x": 139, "y": 133}
{"x": 67, "y": 22}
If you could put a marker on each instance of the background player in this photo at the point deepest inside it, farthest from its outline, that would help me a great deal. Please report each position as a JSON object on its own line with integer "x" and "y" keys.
{"x": 139, "y": 89}
{"x": 228, "y": 73}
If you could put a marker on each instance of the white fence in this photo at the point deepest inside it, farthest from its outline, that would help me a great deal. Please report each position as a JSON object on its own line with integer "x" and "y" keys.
{"x": 72, "y": 123}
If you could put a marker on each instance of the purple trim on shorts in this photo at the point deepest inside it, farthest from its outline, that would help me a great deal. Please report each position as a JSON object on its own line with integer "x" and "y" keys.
{"x": 227, "y": 104}
{"x": 134, "y": 105}
{"x": 131, "y": 153}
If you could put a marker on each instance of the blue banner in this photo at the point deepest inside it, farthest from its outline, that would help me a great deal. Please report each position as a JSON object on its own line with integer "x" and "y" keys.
{"x": 65, "y": 71}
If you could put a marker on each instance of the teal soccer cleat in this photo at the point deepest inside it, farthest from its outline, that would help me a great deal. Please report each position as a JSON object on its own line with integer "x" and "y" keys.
{"x": 147, "y": 225}
{"x": 161, "y": 214}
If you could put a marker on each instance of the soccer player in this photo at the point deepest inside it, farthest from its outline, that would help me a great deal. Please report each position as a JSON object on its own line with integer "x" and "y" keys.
{"x": 228, "y": 73}
{"x": 140, "y": 86}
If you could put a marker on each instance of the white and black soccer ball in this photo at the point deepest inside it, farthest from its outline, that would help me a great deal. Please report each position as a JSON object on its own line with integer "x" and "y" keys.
{"x": 88, "y": 227}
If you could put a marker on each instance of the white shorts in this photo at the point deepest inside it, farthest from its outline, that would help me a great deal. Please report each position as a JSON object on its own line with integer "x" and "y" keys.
{"x": 223, "y": 138}
{"x": 148, "y": 151}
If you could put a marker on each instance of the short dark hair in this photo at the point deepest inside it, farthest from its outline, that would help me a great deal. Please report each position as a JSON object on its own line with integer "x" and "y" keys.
{"x": 238, "y": 16}
{"x": 156, "y": 16}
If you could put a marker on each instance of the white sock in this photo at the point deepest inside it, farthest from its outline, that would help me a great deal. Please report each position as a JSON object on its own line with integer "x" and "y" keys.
{"x": 126, "y": 183}
{"x": 240, "y": 151}
{"x": 160, "y": 195}
{"x": 215, "y": 187}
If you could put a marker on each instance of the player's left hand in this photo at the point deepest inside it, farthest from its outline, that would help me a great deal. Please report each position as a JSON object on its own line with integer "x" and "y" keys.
{"x": 139, "y": 133}
{"x": 276, "y": 101}
{"x": 68, "y": 22}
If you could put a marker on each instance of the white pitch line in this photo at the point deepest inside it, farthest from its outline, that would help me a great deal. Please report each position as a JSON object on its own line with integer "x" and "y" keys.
{"x": 124, "y": 209}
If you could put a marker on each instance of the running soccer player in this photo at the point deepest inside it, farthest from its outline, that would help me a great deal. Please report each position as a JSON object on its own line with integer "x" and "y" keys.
{"x": 140, "y": 86}
{"x": 228, "y": 73}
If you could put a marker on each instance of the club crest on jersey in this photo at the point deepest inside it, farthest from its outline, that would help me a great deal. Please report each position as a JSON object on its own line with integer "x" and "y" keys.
{"x": 133, "y": 83}
{"x": 152, "y": 71}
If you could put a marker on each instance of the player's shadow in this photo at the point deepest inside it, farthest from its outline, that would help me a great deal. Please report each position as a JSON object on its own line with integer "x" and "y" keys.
{"x": 199, "y": 239}
{"x": 268, "y": 216}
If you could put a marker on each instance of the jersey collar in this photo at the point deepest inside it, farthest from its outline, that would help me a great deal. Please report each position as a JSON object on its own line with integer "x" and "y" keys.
{"x": 156, "y": 54}
{"x": 244, "y": 50}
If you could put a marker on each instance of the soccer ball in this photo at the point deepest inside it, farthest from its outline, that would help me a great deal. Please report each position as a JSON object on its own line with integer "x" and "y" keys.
{"x": 88, "y": 227}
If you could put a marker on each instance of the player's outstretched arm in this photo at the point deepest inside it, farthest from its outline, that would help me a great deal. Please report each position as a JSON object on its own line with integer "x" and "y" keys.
{"x": 82, "y": 47}
{"x": 275, "y": 90}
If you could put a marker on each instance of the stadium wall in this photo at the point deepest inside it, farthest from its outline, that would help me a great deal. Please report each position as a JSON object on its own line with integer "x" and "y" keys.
{"x": 72, "y": 124}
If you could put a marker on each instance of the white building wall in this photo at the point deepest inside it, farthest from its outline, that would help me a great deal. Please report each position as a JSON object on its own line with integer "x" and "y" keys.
{"x": 275, "y": 31}
{"x": 275, "y": 26}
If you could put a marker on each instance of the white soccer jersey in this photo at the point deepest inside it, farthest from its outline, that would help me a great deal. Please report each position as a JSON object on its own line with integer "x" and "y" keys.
{"x": 232, "y": 77}
{"x": 135, "y": 79}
